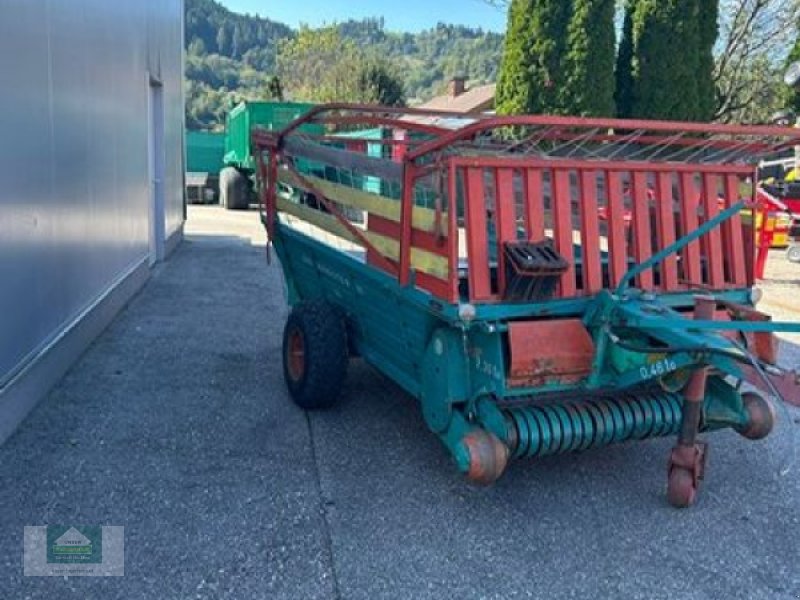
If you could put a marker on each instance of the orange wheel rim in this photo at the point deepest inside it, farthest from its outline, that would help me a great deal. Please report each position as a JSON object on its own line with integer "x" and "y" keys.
{"x": 296, "y": 355}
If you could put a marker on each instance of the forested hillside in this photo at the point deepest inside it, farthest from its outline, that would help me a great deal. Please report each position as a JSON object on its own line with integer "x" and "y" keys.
{"x": 232, "y": 56}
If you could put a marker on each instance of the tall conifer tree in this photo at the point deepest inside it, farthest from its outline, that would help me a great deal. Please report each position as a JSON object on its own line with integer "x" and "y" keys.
{"x": 589, "y": 62}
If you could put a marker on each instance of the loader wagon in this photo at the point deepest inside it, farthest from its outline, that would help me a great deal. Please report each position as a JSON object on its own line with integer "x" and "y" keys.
{"x": 494, "y": 278}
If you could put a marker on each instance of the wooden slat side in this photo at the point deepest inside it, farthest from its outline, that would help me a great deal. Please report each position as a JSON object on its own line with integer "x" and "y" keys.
{"x": 388, "y": 208}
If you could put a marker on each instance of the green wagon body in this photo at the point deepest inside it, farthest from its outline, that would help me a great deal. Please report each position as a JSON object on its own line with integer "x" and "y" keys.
{"x": 619, "y": 350}
{"x": 237, "y": 185}
{"x": 205, "y": 151}
{"x": 240, "y": 121}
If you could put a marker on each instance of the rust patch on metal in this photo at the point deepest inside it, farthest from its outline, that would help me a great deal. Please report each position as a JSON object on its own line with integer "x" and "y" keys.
{"x": 545, "y": 352}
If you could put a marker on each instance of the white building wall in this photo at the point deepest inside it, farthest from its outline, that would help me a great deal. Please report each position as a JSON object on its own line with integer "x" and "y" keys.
{"x": 75, "y": 175}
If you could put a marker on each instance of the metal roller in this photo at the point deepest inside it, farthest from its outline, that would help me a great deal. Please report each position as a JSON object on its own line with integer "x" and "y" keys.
{"x": 569, "y": 427}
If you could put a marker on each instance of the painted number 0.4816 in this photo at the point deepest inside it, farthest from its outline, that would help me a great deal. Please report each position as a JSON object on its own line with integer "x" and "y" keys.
{"x": 658, "y": 369}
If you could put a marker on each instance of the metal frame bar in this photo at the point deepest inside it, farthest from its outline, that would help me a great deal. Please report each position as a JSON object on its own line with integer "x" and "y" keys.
{"x": 465, "y": 139}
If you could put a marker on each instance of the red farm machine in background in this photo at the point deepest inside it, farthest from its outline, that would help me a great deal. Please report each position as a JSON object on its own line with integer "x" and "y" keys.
{"x": 539, "y": 284}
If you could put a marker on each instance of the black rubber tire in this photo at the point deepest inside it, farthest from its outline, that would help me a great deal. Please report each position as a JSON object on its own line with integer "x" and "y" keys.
{"x": 234, "y": 189}
{"x": 321, "y": 326}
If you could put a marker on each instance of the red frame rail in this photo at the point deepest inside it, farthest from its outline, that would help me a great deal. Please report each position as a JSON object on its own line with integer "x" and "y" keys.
{"x": 616, "y": 191}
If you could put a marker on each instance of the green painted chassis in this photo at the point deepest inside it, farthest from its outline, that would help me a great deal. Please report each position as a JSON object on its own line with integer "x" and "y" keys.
{"x": 456, "y": 367}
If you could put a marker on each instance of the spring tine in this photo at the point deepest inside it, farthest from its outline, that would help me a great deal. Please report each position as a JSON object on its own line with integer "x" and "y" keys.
{"x": 576, "y": 426}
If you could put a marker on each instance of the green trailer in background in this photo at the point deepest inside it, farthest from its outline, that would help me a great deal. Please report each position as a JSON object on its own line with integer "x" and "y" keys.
{"x": 205, "y": 151}
{"x": 237, "y": 178}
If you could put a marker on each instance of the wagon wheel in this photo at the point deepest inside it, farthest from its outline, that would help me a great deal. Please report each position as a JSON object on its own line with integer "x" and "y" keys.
{"x": 793, "y": 254}
{"x": 681, "y": 488}
{"x": 234, "y": 189}
{"x": 760, "y": 417}
{"x": 315, "y": 354}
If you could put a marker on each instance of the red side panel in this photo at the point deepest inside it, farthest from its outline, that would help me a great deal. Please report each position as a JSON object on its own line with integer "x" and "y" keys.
{"x": 642, "y": 241}
{"x": 545, "y": 352}
{"x": 477, "y": 242}
{"x": 733, "y": 236}
{"x": 562, "y": 223}
{"x": 506, "y": 218}
{"x": 712, "y": 241}
{"x": 666, "y": 229}
{"x": 618, "y": 248}
{"x": 590, "y": 234}
{"x": 534, "y": 206}
{"x": 692, "y": 270}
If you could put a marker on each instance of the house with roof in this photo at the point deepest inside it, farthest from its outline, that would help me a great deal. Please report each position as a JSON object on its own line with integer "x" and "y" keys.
{"x": 464, "y": 99}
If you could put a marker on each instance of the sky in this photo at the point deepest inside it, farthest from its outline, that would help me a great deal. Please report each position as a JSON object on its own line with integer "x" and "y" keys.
{"x": 399, "y": 15}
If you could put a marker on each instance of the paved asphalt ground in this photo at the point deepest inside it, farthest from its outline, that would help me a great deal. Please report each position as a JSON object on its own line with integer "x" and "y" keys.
{"x": 176, "y": 424}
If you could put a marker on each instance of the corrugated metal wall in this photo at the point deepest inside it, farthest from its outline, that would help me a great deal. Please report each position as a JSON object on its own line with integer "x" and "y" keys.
{"x": 74, "y": 170}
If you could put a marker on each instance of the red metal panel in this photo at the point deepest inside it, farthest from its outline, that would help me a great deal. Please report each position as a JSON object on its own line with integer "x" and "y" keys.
{"x": 534, "y": 206}
{"x": 601, "y": 165}
{"x": 668, "y": 127}
{"x": 562, "y": 225}
{"x": 642, "y": 240}
{"x": 506, "y": 219}
{"x": 666, "y": 230}
{"x": 749, "y": 234}
{"x": 617, "y": 246}
{"x": 544, "y": 352}
{"x": 733, "y": 236}
{"x": 590, "y": 233}
{"x": 712, "y": 242}
{"x": 692, "y": 270}
{"x": 480, "y": 288}
{"x": 438, "y": 287}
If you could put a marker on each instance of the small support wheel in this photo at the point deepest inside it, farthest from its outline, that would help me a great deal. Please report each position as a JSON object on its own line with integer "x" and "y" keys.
{"x": 681, "y": 488}
{"x": 793, "y": 254}
{"x": 687, "y": 465}
{"x": 488, "y": 456}
{"x": 760, "y": 417}
{"x": 315, "y": 354}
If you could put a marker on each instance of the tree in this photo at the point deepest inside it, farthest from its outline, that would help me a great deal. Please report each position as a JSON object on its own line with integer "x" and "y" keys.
{"x": 224, "y": 39}
{"x": 275, "y": 88}
{"x": 532, "y": 75}
{"x": 319, "y": 65}
{"x": 589, "y": 63}
{"x": 514, "y": 87}
{"x": 791, "y": 97}
{"x": 623, "y": 73}
{"x": 708, "y": 31}
{"x": 668, "y": 71}
{"x": 379, "y": 83}
{"x": 754, "y": 36}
